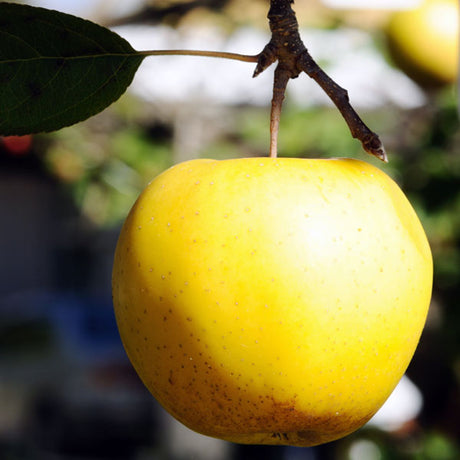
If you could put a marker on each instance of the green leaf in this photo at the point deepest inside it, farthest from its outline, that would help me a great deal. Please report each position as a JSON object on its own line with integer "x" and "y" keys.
{"x": 57, "y": 69}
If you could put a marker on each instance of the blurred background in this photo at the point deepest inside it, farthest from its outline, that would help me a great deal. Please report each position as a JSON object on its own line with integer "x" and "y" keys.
{"x": 67, "y": 390}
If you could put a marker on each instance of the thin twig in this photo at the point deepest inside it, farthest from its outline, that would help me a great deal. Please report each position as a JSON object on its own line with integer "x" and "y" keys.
{"x": 339, "y": 96}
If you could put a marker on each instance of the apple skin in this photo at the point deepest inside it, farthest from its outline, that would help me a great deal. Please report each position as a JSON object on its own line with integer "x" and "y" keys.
{"x": 272, "y": 301}
{"x": 424, "y": 42}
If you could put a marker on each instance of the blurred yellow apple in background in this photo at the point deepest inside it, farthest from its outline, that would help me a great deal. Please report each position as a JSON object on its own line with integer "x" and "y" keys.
{"x": 272, "y": 301}
{"x": 424, "y": 41}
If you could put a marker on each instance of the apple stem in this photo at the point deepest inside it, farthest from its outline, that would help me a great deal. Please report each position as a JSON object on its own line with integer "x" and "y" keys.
{"x": 279, "y": 89}
{"x": 287, "y": 48}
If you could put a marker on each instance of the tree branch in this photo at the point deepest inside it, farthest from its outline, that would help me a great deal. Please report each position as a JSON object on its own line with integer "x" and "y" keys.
{"x": 287, "y": 48}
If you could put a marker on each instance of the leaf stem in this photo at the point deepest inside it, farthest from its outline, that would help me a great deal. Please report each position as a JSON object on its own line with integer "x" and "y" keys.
{"x": 214, "y": 54}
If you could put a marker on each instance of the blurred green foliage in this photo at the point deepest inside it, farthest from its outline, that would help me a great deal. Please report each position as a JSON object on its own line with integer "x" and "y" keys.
{"x": 105, "y": 170}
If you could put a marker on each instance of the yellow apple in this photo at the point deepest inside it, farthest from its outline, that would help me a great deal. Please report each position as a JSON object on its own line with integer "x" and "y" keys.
{"x": 424, "y": 41}
{"x": 272, "y": 301}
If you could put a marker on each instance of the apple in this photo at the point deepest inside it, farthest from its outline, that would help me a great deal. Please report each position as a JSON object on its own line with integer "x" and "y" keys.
{"x": 17, "y": 145}
{"x": 424, "y": 42}
{"x": 272, "y": 301}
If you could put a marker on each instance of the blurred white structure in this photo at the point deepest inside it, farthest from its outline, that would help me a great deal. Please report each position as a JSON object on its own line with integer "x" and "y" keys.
{"x": 373, "y": 4}
{"x": 403, "y": 405}
{"x": 364, "y": 449}
{"x": 347, "y": 55}
{"x": 91, "y": 8}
